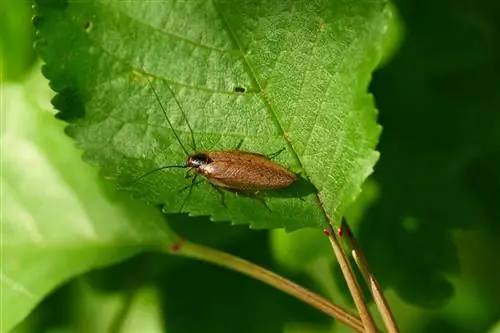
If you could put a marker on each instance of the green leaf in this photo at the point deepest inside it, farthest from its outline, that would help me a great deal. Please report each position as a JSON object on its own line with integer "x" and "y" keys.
{"x": 495, "y": 328}
{"x": 304, "y": 68}
{"x": 136, "y": 310}
{"x": 16, "y": 39}
{"x": 58, "y": 219}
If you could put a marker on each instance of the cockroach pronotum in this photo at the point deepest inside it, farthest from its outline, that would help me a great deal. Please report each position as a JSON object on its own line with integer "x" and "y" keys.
{"x": 232, "y": 169}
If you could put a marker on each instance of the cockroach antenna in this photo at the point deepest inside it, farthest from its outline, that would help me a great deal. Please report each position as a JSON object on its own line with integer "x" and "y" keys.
{"x": 193, "y": 147}
{"x": 173, "y": 131}
{"x": 156, "y": 170}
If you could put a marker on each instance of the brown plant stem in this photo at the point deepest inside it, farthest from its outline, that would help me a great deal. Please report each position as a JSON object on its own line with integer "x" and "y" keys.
{"x": 195, "y": 251}
{"x": 369, "y": 277}
{"x": 352, "y": 283}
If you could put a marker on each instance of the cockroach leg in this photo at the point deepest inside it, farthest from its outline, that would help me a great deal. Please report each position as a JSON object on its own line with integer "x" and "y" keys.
{"x": 238, "y": 146}
{"x": 261, "y": 200}
{"x": 193, "y": 182}
{"x": 222, "y": 196}
{"x": 191, "y": 185}
{"x": 276, "y": 153}
{"x": 189, "y": 173}
{"x": 251, "y": 195}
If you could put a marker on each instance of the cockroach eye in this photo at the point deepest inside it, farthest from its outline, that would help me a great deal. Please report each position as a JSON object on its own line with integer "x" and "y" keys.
{"x": 198, "y": 160}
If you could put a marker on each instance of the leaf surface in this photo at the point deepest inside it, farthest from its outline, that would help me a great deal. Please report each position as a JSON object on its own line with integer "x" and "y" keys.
{"x": 268, "y": 74}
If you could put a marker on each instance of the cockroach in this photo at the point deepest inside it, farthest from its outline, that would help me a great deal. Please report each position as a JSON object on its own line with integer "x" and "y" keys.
{"x": 232, "y": 169}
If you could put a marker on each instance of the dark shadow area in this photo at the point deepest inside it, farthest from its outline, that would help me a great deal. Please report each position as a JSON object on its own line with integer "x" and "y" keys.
{"x": 439, "y": 104}
{"x": 70, "y": 105}
{"x": 300, "y": 188}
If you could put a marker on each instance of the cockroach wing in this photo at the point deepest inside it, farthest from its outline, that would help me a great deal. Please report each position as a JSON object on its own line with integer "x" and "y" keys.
{"x": 241, "y": 170}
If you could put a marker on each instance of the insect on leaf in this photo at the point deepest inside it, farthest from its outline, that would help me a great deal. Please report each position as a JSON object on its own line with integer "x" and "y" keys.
{"x": 268, "y": 74}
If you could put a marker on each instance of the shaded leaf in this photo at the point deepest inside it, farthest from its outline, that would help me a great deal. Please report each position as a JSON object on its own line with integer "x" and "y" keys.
{"x": 439, "y": 107}
{"x": 247, "y": 305}
{"x": 129, "y": 311}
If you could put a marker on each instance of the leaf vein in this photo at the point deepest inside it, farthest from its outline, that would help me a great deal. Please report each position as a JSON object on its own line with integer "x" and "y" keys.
{"x": 171, "y": 34}
{"x": 168, "y": 80}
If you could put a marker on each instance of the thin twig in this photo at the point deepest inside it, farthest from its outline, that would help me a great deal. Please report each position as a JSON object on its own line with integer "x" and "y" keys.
{"x": 191, "y": 250}
{"x": 352, "y": 283}
{"x": 369, "y": 277}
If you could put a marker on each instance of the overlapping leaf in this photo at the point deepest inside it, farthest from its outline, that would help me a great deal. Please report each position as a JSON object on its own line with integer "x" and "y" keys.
{"x": 58, "y": 220}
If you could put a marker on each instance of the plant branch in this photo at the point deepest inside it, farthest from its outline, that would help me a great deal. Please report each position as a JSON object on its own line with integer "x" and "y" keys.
{"x": 195, "y": 251}
{"x": 369, "y": 277}
{"x": 352, "y": 283}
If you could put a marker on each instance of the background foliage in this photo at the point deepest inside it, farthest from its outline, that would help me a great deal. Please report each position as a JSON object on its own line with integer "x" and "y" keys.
{"x": 428, "y": 217}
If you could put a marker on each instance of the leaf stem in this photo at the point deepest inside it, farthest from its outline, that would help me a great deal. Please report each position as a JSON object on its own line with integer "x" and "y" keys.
{"x": 352, "y": 283}
{"x": 369, "y": 277}
{"x": 195, "y": 251}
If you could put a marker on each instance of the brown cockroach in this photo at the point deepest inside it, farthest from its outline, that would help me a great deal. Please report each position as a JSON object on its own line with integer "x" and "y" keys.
{"x": 232, "y": 169}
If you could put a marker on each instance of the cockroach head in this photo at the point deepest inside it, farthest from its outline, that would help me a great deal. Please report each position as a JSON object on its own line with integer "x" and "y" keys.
{"x": 197, "y": 160}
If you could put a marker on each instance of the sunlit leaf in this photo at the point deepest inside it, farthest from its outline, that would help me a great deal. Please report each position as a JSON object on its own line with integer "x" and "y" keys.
{"x": 268, "y": 74}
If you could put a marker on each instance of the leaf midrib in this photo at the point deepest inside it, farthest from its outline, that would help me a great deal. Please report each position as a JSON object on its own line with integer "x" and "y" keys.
{"x": 270, "y": 108}
{"x": 232, "y": 53}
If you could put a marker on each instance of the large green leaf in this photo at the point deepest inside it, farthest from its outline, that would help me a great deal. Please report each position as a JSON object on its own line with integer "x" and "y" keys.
{"x": 16, "y": 39}
{"x": 58, "y": 220}
{"x": 304, "y": 68}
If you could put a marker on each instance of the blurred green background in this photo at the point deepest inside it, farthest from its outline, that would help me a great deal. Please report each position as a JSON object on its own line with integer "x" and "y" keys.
{"x": 431, "y": 231}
